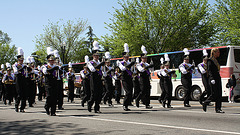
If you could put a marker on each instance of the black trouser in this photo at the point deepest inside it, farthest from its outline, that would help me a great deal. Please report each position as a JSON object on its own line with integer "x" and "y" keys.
{"x": 145, "y": 88}
{"x": 42, "y": 92}
{"x": 21, "y": 91}
{"x": 187, "y": 84}
{"x": 1, "y": 91}
{"x": 128, "y": 87}
{"x": 96, "y": 88}
{"x": 216, "y": 94}
{"x": 9, "y": 92}
{"x": 118, "y": 89}
{"x": 60, "y": 94}
{"x": 207, "y": 89}
{"x": 168, "y": 90}
{"x": 136, "y": 87}
{"x": 71, "y": 90}
{"x": 31, "y": 92}
{"x": 51, "y": 100}
{"x": 161, "y": 97}
{"x": 109, "y": 90}
{"x": 86, "y": 88}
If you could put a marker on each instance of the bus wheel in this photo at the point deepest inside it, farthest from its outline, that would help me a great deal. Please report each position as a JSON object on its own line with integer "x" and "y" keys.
{"x": 180, "y": 93}
{"x": 196, "y": 93}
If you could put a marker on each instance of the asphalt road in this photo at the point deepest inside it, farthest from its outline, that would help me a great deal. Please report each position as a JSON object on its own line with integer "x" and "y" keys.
{"x": 75, "y": 119}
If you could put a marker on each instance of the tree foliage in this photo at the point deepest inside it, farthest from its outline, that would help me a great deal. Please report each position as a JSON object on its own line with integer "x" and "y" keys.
{"x": 7, "y": 51}
{"x": 160, "y": 25}
{"x": 55, "y": 34}
{"x": 227, "y": 20}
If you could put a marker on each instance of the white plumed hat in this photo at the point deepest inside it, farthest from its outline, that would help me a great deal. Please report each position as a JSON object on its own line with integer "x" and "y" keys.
{"x": 50, "y": 51}
{"x": 95, "y": 45}
{"x": 70, "y": 65}
{"x": 166, "y": 57}
{"x": 107, "y": 55}
{"x": 205, "y": 52}
{"x": 86, "y": 59}
{"x": 32, "y": 60}
{"x": 137, "y": 60}
{"x": 162, "y": 60}
{"x": 56, "y": 53}
{"x": 2, "y": 66}
{"x": 20, "y": 51}
{"x": 126, "y": 48}
{"x": 8, "y": 65}
{"x": 186, "y": 52}
{"x": 143, "y": 48}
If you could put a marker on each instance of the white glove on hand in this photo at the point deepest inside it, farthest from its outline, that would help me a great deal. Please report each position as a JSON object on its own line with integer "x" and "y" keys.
{"x": 213, "y": 81}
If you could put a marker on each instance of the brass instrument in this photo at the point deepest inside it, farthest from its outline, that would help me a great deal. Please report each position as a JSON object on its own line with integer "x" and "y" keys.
{"x": 8, "y": 81}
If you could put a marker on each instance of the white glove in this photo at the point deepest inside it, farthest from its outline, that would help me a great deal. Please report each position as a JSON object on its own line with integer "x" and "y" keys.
{"x": 213, "y": 81}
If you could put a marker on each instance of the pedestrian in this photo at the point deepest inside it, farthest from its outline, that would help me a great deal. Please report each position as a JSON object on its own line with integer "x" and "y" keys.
{"x": 107, "y": 76}
{"x": 214, "y": 81}
{"x": 186, "y": 70}
{"x": 144, "y": 80}
{"x": 202, "y": 68}
{"x": 232, "y": 84}
{"x": 20, "y": 70}
{"x": 71, "y": 78}
{"x": 125, "y": 67}
{"x": 96, "y": 85}
{"x": 51, "y": 72}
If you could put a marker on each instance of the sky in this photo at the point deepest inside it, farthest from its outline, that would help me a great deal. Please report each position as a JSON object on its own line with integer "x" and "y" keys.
{"x": 23, "y": 20}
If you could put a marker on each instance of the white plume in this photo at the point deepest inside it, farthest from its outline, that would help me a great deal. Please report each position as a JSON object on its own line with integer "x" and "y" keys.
{"x": 107, "y": 55}
{"x": 28, "y": 60}
{"x": 126, "y": 48}
{"x": 2, "y": 66}
{"x": 162, "y": 60}
{"x": 95, "y": 45}
{"x": 56, "y": 53}
{"x": 70, "y": 64}
{"x": 20, "y": 51}
{"x": 186, "y": 52}
{"x": 205, "y": 52}
{"x": 86, "y": 59}
{"x": 39, "y": 67}
{"x": 118, "y": 62}
{"x": 143, "y": 48}
{"x": 137, "y": 60}
{"x": 166, "y": 57}
{"x": 32, "y": 59}
{"x": 8, "y": 65}
{"x": 50, "y": 51}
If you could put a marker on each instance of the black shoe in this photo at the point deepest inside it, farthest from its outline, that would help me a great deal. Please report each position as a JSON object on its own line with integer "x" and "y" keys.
{"x": 187, "y": 105}
{"x": 204, "y": 107}
{"x": 61, "y": 108}
{"x": 22, "y": 110}
{"x": 16, "y": 109}
{"x": 220, "y": 111}
{"x": 89, "y": 108}
{"x": 30, "y": 105}
{"x": 169, "y": 106}
{"x": 137, "y": 104}
{"x": 130, "y": 104}
{"x": 126, "y": 108}
{"x": 47, "y": 111}
{"x": 149, "y": 107}
{"x": 98, "y": 111}
{"x": 53, "y": 114}
{"x": 82, "y": 103}
{"x": 160, "y": 101}
{"x": 163, "y": 104}
{"x": 110, "y": 105}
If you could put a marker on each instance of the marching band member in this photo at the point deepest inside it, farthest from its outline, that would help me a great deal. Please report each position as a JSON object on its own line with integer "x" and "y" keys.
{"x": 161, "y": 81}
{"x": 167, "y": 82}
{"x": 202, "y": 68}
{"x": 20, "y": 71}
{"x": 60, "y": 95}
{"x": 50, "y": 72}
{"x": 186, "y": 70}
{"x": 118, "y": 87}
{"x": 136, "y": 85}
{"x": 41, "y": 84}
{"x": 96, "y": 85}
{"x": 70, "y": 77}
{"x": 144, "y": 80}
{"x": 8, "y": 81}
{"x": 85, "y": 76}
{"x": 107, "y": 70}
{"x": 1, "y": 84}
{"x": 127, "y": 83}
{"x": 214, "y": 80}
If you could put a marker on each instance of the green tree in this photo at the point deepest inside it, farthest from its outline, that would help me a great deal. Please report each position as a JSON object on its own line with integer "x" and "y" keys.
{"x": 160, "y": 25}
{"x": 227, "y": 20}
{"x": 55, "y": 34}
{"x": 7, "y": 52}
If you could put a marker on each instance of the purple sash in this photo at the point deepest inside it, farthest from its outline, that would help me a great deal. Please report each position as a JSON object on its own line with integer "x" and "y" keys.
{"x": 99, "y": 71}
{"x": 148, "y": 72}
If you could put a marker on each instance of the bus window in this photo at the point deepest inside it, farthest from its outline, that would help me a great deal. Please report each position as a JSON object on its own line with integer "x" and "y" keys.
{"x": 223, "y": 56}
{"x": 237, "y": 55}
